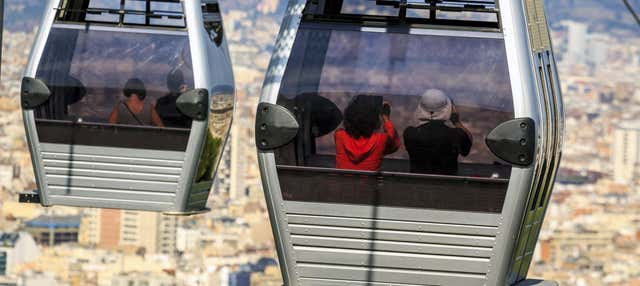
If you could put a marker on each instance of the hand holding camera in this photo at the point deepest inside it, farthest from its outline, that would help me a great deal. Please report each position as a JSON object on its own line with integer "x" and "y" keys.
{"x": 455, "y": 116}
{"x": 386, "y": 108}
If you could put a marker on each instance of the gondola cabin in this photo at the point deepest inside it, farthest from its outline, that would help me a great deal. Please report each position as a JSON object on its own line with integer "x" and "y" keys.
{"x": 127, "y": 104}
{"x": 409, "y": 142}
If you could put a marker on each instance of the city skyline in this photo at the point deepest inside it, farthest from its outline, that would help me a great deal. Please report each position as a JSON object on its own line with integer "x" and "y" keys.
{"x": 591, "y": 235}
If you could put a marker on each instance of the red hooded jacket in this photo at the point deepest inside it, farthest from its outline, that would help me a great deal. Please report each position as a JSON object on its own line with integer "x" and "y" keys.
{"x": 365, "y": 154}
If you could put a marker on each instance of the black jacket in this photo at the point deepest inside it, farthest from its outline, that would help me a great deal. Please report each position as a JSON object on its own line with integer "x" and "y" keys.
{"x": 169, "y": 113}
{"x": 434, "y": 147}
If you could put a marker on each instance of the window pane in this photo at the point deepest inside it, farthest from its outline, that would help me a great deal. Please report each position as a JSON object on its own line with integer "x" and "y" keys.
{"x": 445, "y": 94}
{"x": 104, "y": 16}
{"x": 114, "y": 78}
{"x": 368, "y": 7}
{"x": 105, "y": 4}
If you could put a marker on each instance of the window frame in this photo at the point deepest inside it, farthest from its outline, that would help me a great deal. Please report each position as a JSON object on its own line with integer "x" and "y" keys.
{"x": 179, "y": 136}
{"x": 406, "y": 29}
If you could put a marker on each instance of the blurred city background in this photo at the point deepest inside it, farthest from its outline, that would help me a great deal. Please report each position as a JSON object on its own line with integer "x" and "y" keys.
{"x": 591, "y": 234}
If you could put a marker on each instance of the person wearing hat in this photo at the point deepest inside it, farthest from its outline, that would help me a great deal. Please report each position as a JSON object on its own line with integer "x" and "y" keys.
{"x": 361, "y": 145}
{"x": 435, "y": 144}
{"x": 135, "y": 110}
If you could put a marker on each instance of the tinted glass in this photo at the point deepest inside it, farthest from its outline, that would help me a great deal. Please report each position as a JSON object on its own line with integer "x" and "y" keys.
{"x": 446, "y": 93}
{"x": 113, "y": 79}
{"x": 165, "y": 13}
{"x": 373, "y": 8}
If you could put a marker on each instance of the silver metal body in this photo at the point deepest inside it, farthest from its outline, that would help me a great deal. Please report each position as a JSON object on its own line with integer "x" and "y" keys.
{"x": 340, "y": 244}
{"x": 138, "y": 179}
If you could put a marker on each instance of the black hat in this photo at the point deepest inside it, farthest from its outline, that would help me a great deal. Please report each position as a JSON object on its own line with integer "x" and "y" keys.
{"x": 135, "y": 85}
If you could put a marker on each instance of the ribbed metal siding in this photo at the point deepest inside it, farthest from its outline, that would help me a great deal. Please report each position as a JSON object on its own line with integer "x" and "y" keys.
{"x": 111, "y": 177}
{"x": 339, "y": 250}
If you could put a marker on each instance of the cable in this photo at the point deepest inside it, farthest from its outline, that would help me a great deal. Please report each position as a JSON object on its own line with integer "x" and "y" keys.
{"x": 633, "y": 12}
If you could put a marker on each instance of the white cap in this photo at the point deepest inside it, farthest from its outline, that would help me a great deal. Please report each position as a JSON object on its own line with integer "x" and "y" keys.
{"x": 434, "y": 105}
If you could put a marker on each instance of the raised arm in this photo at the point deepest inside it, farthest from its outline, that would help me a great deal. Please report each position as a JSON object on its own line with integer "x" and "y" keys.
{"x": 393, "y": 140}
{"x": 465, "y": 137}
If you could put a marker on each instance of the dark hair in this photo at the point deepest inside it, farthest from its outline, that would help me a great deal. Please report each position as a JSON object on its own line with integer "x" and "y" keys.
{"x": 135, "y": 85}
{"x": 362, "y": 116}
{"x": 175, "y": 79}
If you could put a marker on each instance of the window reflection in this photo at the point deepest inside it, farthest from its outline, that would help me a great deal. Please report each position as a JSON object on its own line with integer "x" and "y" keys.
{"x": 397, "y": 112}
{"x": 104, "y": 82}
{"x": 105, "y": 76}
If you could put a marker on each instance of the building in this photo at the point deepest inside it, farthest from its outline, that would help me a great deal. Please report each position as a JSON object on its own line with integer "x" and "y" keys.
{"x": 16, "y": 248}
{"x": 263, "y": 273}
{"x": 143, "y": 279}
{"x": 6, "y": 176}
{"x": 270, "y": 277}
{"x": 236, "y": 184}
{"x": 52, "y": 230}
{"x": 577, "y": 45}
{"x": 108, "y": 228}
{"x": 598, "y": 51}
{"x": 240, "y": 278}
{"x": 222, "y": 181}
{"x": 626, "y": 151}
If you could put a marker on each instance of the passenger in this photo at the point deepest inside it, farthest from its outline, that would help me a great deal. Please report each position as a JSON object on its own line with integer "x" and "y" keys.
{"x": 360, "y": 145}
{"x": 166, "y": 105}
{"x": 135, "y": 110}
{"x": 434, "y": 145}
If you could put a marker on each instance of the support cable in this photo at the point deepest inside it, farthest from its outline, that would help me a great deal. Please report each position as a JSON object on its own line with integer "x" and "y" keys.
{"x": 632, "y": 11}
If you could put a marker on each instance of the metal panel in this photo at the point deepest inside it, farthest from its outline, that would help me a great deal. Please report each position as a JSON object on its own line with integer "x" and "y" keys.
{"x": 393, "y": 225}
{"x": 50, "y": 157}
{"x": 111, "y": 203}
{"x": 313, "y": 273}
{"x": 198, "y": 41}
{"x": 388, "y": 235}
{"x": 391, "y": 259}
{"x": 266, "y": 159}
{"x": 111, "y": 194}
{"x": 134, "y": 166}
{"x": 74, "y": 171}
{"x": 388, "y": 213}
{"x": 391, "y": 246}
{"x": 97, "y": 182}
{"x": 537, "y": 216}
{"x": 27, "y": 115}
{"x": 332, "y": 282}
{"x": 112, "y": 152}
{"x": 526, "y": 104}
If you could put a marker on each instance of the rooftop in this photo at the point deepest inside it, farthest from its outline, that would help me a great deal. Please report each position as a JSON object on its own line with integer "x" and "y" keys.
{"x": 49, "y": 221}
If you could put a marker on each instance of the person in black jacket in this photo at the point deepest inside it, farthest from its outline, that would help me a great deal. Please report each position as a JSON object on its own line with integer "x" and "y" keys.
{"x": 435, "y": 144}
{"x": 166, "y": 105}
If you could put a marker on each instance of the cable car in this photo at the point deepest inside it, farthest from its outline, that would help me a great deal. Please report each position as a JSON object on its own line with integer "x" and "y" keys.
{"x": 406, "y": 142}
{"x": 127, "y": 104}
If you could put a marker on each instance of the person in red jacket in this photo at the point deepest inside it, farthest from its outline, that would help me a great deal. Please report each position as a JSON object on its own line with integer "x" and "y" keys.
{"x": 361, "y": 145}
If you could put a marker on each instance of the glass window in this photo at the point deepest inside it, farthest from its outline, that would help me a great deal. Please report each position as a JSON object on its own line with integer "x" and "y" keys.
{"x": 371, "y": 8}
{"x": 103, "y": 80}
{"x": 164, "y": 13}
{"x": 383, "y": 112}
{"x": 104, "y": 6}
{"x": 451, "y": 10}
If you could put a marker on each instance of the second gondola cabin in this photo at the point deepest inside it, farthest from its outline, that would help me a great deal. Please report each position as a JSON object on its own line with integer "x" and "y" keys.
{"x": 127, "y": 104}
{"x": 409, "y": 142}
